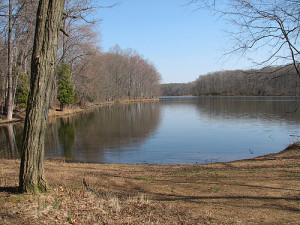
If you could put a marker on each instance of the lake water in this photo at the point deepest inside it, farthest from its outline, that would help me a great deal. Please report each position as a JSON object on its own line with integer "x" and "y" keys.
{"x": 175, "y": 130}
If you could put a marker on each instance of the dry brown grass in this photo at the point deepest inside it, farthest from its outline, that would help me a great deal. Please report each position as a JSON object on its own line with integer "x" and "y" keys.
{"x": 264, "y": 190}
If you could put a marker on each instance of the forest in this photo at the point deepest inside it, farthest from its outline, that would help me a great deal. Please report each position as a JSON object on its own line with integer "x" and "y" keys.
{"x": 269, "y": 81}
{"x": 92, "y": 75}
{"x": 86, "y": 72}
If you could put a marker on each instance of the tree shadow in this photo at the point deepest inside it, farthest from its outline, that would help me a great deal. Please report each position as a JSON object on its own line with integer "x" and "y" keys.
{"x": 11, "y": 190}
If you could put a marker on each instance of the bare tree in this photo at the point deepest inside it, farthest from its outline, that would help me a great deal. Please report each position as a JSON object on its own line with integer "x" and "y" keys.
{"x": 128, "y": 75}
{"x": 17, "y": 25}
{"x": 268, "y": 81}
{"x": 269, "y": 28}
{"x": 3, "y": 74}
{"x": 43, "y": 63}
{"x": 17, "y": 22}
{"x": 79, "y": 47}
{"x": 9, "y": 99}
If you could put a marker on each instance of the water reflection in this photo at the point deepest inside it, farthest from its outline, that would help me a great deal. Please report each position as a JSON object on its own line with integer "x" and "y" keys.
{"x": 265, "y": 108}
{"x": 10, "y": 141}
{"x": 176, "y": 130}
{"x": 66, "y": 134}
{"x": 229, "y": 128}
{"x": 112, "y": 130}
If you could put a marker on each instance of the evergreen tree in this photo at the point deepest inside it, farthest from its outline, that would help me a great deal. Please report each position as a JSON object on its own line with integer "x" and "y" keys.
{"x": 22, "y": 90}
{"x": 65, "y": 93}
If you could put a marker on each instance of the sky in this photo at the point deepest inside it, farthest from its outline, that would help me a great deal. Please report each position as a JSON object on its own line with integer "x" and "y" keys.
{"x": 181, "y": 42}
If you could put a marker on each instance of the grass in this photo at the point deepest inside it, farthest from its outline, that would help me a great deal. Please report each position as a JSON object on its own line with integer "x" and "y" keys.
{"x": 70, "y": 218}
{"x": 144, "y": 179}
{"x": 254, "y": 170}
{"x": 291, "y": 174}
{"x": 216, "y": 190}
{"x": 180, "y": 174}
{"x": 258, "y": 191}
{"x": 57, "y": 203}
{"x": 16, "y": 199}
{"x": 113, "y": 201}
{"x": 2, "y": 178}
{"x": 141, "y": 198}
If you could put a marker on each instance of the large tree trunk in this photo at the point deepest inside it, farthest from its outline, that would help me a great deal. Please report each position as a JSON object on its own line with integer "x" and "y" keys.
{"x": 43, "y": 63}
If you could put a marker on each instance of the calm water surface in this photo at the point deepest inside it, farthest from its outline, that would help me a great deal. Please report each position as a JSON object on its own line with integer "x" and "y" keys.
{"x": 175, "y": 130}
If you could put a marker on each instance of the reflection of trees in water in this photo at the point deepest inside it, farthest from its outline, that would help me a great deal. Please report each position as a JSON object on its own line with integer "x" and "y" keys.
{"x": 85, "y": 137}
{"x": 266, "y": 108}
{"x": 66, "y": 135}
{"x": 52, "y": 143}
{"x": 10, "y": 141}
{"x": 115, "y": 127}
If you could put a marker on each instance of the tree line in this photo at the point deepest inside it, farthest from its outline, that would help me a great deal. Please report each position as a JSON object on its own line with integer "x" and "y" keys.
{"x": 177, "y": 89}
{"x": 52, "y": 34}
{"x": 92, "y": 75}
{"x": 116, "y": 74}
{"x": 269, "y": 81}
{"x": 280, "y": 18}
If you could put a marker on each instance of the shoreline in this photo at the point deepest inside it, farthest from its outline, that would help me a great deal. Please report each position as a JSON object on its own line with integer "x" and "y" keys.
{"x": 262, "y": 190}
{"x": 19, "y": 115}
{"x": 290, "y": 152}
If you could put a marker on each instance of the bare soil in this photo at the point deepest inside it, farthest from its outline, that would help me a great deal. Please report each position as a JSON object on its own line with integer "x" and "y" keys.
{"x": 263, "y": 190}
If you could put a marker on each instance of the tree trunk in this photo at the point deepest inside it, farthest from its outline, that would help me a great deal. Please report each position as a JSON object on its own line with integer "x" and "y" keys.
{"x": 43, "y": 63}
{"x": 12, "y": 141}
{"x": 3, "y": 93}
{"x": 61, "y": 106}
{"x": 9, "y": 98}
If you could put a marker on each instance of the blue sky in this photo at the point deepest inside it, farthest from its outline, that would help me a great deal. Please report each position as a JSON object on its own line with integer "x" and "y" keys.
{"x": 180, "y": 42}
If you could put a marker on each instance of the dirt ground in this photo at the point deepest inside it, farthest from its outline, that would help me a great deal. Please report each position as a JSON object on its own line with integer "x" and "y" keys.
{"x": 263, "y": 190}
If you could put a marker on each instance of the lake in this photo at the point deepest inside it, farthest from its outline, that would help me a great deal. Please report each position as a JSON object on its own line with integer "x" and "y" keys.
{"x": 175, "y": 130}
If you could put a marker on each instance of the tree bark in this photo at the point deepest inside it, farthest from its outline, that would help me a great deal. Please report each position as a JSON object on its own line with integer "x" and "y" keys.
{"x": 43, "y": 65}
{"x": 12, "y": 141}
{"x": 9, "y": 98}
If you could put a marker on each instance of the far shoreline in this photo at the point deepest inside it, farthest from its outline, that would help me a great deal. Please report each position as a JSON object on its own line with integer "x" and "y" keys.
{"x": 54, "y": 112}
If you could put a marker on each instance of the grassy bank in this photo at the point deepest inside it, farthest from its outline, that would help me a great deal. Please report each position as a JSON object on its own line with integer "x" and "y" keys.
{"x": 263, "y": 190}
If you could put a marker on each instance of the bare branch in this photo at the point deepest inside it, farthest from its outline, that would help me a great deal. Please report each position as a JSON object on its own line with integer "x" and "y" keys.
{"x": 266, "y": 26}
{"x": 63, "y": 31}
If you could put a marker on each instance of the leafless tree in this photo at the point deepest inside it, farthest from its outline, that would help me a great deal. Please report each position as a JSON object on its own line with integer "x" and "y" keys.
{"x": 128, "y": 75}
{"x": 3, "y": 73}
{"x": 17, "y": 26}
{"x": 266, "y": 81}
{"x": 78, "y": 44}
{"x": 268, "y": 28}
{"x": 43, "y": 63}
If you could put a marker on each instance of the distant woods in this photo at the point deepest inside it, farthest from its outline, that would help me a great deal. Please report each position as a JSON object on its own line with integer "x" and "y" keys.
{"x": 268, "y": 28}
{"x": 265, "y": 82}
{"x": 94, "y": 74}
{"x": 116, "y": 74}
{"x": 177, "y": 89}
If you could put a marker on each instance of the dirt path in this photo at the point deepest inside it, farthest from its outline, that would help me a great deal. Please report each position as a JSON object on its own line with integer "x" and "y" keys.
{"x": 263, "y": 190}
